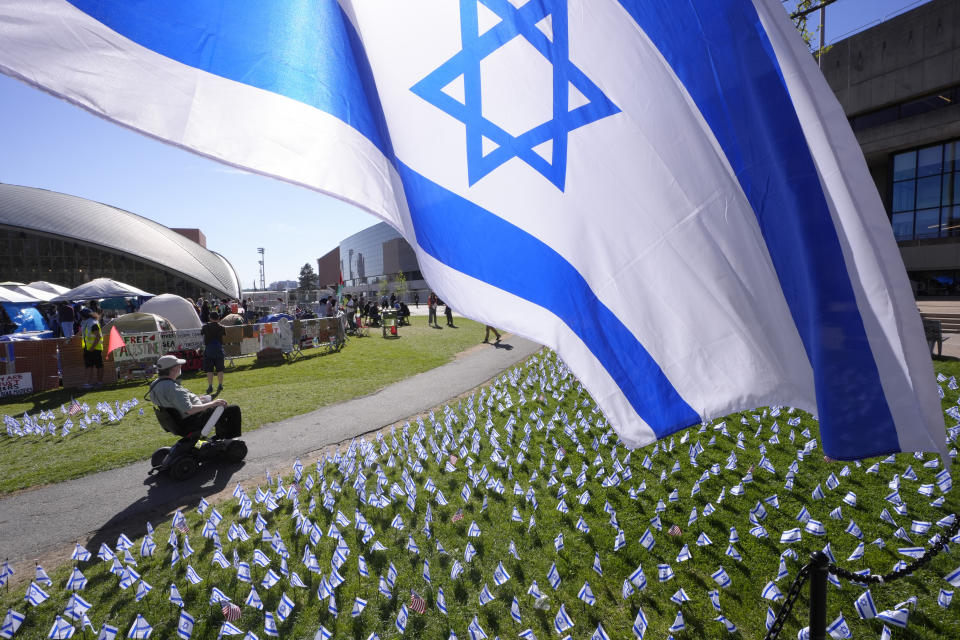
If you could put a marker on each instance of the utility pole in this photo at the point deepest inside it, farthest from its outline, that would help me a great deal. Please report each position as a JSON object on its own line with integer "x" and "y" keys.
{"x": 263, "y": 279}
{"x": 822, "y": 8}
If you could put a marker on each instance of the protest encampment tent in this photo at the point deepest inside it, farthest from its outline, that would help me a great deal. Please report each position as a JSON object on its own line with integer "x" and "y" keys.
{"x": 231, "y": 320}
{"x": 139, "y": 323}
{"x": 101, "y": 288}
{"x": 175, "y": 309}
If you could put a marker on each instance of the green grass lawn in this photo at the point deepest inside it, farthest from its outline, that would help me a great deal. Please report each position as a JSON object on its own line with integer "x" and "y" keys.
{"x": 396, "y": 455}
{"x": 266, "y": 394}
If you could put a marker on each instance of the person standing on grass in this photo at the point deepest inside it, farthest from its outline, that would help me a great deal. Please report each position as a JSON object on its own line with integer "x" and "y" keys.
{"x": 448, "y": 311}
{"x": 432, "y": 310}
{"x": 486, "y": 338}
{"x": 213, "y": 335}
{"x": 92, "y": 346}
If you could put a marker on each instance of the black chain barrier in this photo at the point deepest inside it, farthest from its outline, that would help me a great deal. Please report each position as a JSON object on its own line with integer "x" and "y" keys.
{"x": 795, "y": 588}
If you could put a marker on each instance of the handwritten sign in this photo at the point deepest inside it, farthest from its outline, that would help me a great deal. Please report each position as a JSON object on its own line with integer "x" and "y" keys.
{"x": 15, "y": 384}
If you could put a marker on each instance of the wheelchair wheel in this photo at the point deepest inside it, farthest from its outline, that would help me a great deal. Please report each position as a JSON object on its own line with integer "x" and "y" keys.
{"x": 183, "y": 468}
{"x": 158, "y": 456}
{"x": 236, "y": 451}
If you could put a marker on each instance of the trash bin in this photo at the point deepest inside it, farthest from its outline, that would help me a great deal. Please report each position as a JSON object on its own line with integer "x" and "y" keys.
{"x": 389, "y": 324}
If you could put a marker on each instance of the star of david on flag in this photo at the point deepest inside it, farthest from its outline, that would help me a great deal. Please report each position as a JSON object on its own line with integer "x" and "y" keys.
{"x": 456, "y": 87}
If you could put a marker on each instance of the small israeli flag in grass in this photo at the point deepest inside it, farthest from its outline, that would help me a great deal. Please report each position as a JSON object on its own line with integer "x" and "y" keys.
{"x": 897, "y": 617}
{"x": 790, "y": 536}
{"x": 865, "y": 606}
{"x": 475, "y": 630}
{"x": 684, "y": 554}
{"x": 678, "y": 623}
{"x": 854, "y": 529}
{"x": 76, "y": 607}
{"x": 271, "y": 578}
{"x": 140, "y": 628}
{"x": 441, "y": 601}
{"x": 562, "y": 621}
{"x": 647, "y": 541}
{"x": 627, "y": 590}
{"x": 638, "y": 578}
{"x": 680, "y": 597}
{"x": 721, "y": 578}
{"x": 402, "y": 617}
{"x": 944, "y": 598}
{"x": 11, "y": 622}
{"x": 515, "y": 610}
{"x": 270, "y": 625}
{"x": 185, "y": 625}
{"x": 586, "y": 594}
{"x": 733, "y": 553}
{"x": 500, "y": 575}
{"x": 771, "y": 592}
{"x": 485, "y": 596}
{"x": 193, "y": 578}
{"x": 664, "y": 572}
{"x": 61, "y": 629}
{"x": 640, "y": 624}
{"x": 253, "y": 600}
{"x": 35, "y": 595}
{"x": 77, "y": 581}
{"x": 553, "y": 576}
{"x": 80, "y": 553}
{"x": 284, "y": 607}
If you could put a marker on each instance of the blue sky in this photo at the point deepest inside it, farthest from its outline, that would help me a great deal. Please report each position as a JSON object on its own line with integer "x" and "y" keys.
{"x": 50, "y": 144}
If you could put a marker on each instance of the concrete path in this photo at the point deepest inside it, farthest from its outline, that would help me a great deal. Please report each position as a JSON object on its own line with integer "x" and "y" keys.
{"x": 42, "y": 524}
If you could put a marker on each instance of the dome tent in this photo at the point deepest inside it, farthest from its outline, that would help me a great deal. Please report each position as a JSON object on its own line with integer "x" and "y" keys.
{"x": 139, "y": 323}
{"x": 175, "y": 309}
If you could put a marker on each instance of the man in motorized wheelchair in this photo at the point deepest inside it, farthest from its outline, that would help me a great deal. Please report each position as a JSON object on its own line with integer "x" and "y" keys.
{"x": 193, "y": 418}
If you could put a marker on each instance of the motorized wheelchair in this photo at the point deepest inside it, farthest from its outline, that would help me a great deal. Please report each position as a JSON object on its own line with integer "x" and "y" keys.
{"x": 196, "y": 448}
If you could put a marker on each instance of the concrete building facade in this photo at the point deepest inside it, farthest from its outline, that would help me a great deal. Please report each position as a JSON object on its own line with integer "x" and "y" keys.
{"x": 899, "y": 85}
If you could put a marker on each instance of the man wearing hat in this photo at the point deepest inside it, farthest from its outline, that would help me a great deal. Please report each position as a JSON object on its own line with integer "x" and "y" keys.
{"x": 194, "y": 410}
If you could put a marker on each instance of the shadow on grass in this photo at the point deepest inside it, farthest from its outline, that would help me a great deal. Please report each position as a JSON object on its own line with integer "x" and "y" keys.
{"x": 162, "y": 495}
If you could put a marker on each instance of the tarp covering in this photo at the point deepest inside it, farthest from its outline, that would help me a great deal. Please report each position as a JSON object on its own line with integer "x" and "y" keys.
{"x": 25, "y": 316}
{"x": 101, "y": 288}
{"x": 231, "y": 319}
{"x": 37, "y": 294}
{"x": 138, "y": 323}
{"x": 175, "y": 309}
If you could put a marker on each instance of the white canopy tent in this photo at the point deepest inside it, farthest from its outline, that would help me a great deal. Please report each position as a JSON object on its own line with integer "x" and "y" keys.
{"x": 101, "y": 288}
{"x": 43, "y": 285}
{"x": 10, "y": 295}
{"x": 37, "y": 294}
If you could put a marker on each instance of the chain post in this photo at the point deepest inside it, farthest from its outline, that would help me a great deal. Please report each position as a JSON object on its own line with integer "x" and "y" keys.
{"x": 818, "y": 595}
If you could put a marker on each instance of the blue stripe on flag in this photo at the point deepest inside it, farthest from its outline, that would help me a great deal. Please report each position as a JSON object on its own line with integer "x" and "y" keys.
{"x": 470, "y": 239}
{"x": 306, "y": 50}
{"x": 721, "y": 54}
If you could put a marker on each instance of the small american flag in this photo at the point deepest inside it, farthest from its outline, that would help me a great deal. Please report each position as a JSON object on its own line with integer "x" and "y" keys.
{"x": 416, "y": 602}
{"x": 231, "y": 612}
{"x": 74, "y": 408}
{"x": 182, "y": 527}
{"x": 453, "y": 459}
{"x": 458, "y": 516}
{"x": 674, "y": 531}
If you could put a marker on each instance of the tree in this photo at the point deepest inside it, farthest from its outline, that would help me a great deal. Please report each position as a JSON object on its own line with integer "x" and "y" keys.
{"x": 802, "y": 10}
{"x": 308, "y": 278}
{"x": 383, "y": 287}
{"x": 401, "y": 285}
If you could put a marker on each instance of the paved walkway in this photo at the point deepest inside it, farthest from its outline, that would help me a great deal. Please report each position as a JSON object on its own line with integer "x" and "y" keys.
{"x": 42, "y": 524}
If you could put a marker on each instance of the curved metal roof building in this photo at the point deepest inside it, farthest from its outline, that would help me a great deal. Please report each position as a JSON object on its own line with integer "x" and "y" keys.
{"x": 69, "y": 240}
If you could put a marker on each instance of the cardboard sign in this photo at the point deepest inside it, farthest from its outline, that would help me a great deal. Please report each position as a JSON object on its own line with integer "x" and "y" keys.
{"x": 140, "y": 347}
{"x": 15, "y": 384}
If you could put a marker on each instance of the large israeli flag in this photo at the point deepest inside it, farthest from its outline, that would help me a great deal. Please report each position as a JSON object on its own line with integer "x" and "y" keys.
{"x": 666, "y": 192}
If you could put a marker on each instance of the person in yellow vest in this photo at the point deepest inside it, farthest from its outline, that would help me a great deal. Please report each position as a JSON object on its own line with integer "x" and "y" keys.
{"x": 92, "y": 346}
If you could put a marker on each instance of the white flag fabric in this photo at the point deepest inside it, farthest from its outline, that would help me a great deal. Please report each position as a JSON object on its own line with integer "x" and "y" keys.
{"x": 717, "y": 248}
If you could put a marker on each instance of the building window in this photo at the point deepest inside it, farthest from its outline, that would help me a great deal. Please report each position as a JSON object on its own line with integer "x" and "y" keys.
{"x": 925, "y": 198}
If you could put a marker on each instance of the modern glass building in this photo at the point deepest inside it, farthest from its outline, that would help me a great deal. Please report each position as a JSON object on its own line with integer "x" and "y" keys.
{"x": 375, "y": 256}
{"x": 899, "y": 86}
{"x": 68, "y": 240}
